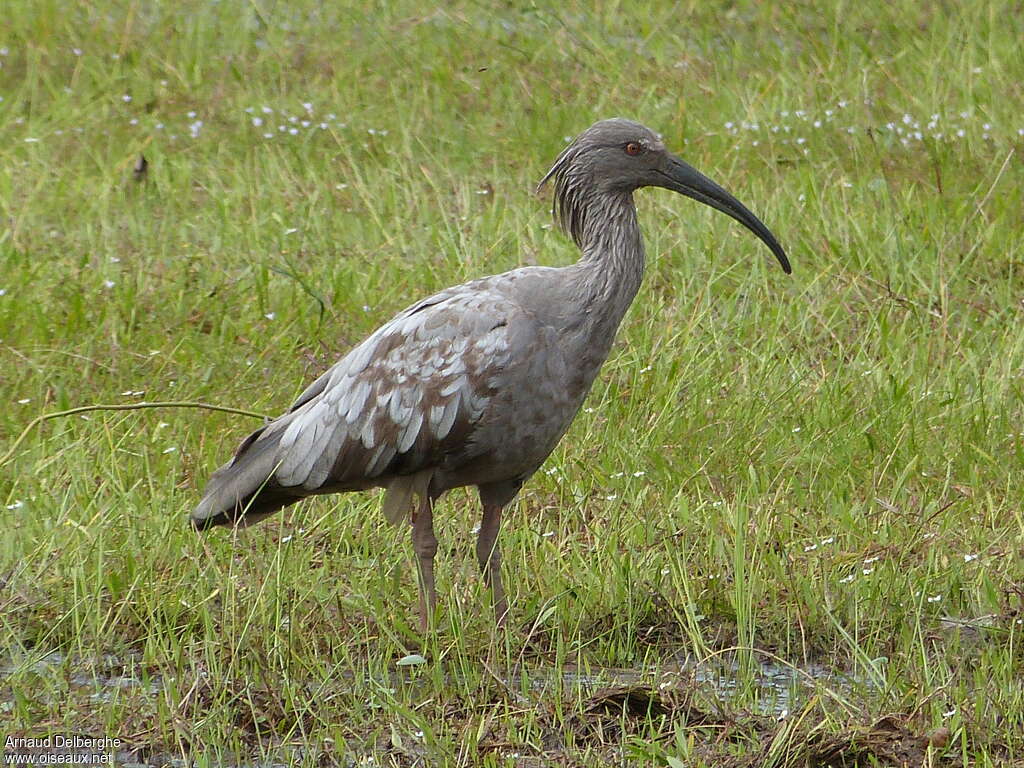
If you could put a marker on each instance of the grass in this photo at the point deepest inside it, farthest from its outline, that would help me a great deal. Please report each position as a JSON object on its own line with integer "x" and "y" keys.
{"x": 822, "y": 470}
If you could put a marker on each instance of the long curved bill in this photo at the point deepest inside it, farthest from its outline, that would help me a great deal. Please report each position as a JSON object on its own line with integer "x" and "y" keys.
{"x": 688, "y": 181}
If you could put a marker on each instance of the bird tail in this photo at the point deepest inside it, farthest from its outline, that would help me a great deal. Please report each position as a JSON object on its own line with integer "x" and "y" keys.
{"x": 243, "y": 491}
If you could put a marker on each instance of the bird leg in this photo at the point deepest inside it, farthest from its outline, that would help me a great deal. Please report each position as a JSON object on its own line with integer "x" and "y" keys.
{"x": 424, "y": 544}
{"x": 488, "y": 555}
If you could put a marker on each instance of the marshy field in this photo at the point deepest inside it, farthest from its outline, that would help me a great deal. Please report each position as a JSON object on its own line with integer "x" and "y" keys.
{"x": 787, "y": 529}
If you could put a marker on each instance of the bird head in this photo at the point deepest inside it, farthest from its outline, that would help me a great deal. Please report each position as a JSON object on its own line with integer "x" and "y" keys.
{"x": 619, "y": 156}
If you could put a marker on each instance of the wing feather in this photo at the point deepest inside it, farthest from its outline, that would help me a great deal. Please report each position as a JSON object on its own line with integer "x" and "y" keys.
{"x": 402, "y": 400}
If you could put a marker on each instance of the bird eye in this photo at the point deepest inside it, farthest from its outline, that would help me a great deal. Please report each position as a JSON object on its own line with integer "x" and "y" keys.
{"x": 633, "y": 148}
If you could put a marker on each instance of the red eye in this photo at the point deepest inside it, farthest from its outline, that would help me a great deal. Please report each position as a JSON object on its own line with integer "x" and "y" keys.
{"x": 633, "y": 148}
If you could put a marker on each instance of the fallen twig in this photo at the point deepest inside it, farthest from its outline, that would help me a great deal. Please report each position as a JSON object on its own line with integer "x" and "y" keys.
{"x": 121, "y": 407}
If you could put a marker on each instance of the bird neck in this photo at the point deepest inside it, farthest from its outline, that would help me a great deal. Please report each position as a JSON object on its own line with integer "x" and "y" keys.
{"x": 613, "y": 250}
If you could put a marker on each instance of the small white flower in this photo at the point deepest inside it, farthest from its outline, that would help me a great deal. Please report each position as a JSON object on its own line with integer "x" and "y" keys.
{"x": 3, "y": 291}
{"x": 867, "y": 571}
{"x": 810, "y": 547}
{"x": 18, "y": 504}
{"x": 291, "y": 230}
{"x": 935, "y": 599}
{"x": 611, "y": 497}
{"x": 257, "y": 121}
{"x": 286, "y": 539}
{"x": 846, "y": 579}
{"x": 266, "y": 110}
{"x": 293, "y": 131}
{"x": 666, "y": 571}
{"x": 270, "y": 315}
{"x": 76, "y": 51}
{"x": 191, "y": 114}
{"x": 341, "y": 186}
{"x": 126, "y": 98}
{"x": 639, "y": 473}
{"x": 108, "y": 283}
{"x": 828, "y": 540}
{"x": 947, "y": 715}
{"x": 548, "y": 535}
{"x": 31, "y": 140}
{"x": 969, "y": 558}
{"x": 172, "y": 449}
{"x": 25, "y": 401}
{"x": 795, "y": 429}
{"x": 268, "y": 135}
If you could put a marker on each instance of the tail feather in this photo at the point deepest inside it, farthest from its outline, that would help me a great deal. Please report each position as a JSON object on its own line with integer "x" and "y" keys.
{"x": 243, "y": 491}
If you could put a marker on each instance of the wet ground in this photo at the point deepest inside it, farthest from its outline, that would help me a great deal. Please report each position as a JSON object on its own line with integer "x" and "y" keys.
{"x": 771, "y": 689}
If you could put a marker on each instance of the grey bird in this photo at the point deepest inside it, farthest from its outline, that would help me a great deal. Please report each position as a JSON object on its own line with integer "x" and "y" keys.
{"x": 476, "y": 384}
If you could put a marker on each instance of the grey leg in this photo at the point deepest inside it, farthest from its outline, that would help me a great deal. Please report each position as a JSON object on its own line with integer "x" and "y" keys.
{"x": 424, "y": 544}
{"x": 488, "y": 555}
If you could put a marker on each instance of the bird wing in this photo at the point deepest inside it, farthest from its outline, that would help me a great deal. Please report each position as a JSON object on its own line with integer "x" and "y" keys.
{"x": 402, "y": 400}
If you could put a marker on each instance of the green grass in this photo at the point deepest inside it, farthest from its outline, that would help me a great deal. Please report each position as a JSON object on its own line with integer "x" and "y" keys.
{"x": 823, "y": 469}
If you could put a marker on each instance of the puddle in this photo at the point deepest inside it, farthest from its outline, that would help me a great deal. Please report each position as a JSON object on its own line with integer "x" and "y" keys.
{"x": 775, "y": 688}
{"x": 772, "y": 689}
{"x": 104, "y": 675}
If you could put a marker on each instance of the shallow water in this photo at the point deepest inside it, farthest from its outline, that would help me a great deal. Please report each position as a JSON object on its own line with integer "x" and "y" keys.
{"x": 772, "y": 689}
